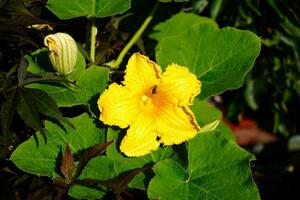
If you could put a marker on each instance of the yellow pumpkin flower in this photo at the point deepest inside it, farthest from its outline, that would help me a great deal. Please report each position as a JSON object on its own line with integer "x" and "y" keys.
{"x": 153, "y": 104}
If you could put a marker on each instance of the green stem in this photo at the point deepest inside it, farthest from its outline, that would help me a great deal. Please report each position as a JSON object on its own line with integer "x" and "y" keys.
{"x": 136, "y": 36}
{"x": 93, "y": 40}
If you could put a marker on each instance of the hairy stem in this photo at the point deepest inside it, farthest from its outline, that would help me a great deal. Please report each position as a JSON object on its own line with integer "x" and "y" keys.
{"x": 93, "y": 40}
{"x": 136, "y": 36}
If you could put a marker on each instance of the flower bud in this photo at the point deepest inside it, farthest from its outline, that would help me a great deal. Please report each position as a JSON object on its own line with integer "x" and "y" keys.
{"x": 62, "y": 52}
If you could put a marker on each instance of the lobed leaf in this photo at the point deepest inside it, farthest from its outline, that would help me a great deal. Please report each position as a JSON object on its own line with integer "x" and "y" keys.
{"x": 217, "y": 169}
{"x": 178, "y": 24}
{"x": 88, "y": 8}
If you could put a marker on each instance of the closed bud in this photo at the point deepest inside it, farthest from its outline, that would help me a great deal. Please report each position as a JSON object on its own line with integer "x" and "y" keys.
{"x": 62, "y": 52}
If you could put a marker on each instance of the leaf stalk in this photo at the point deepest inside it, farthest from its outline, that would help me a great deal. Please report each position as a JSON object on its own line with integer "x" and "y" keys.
{"x": 135, "y": 37}
{"x": 93, "y": 40}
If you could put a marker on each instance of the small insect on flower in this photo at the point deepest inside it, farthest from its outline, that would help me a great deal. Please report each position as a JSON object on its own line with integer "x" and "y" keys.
{"x": 62, "y": 52}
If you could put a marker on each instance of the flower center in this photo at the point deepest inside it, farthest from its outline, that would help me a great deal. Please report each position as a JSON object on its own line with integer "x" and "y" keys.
{"x": 146, "y": 100}
{"x": 147, "y": 97}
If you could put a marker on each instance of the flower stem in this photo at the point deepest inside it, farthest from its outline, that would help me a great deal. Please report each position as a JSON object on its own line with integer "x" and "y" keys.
{"x": 136, "y": 36}
{"x": 93, "y": 40}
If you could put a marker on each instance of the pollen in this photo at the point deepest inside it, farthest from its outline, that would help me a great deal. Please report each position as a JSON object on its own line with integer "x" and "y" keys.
{"x": 146, "y": 100}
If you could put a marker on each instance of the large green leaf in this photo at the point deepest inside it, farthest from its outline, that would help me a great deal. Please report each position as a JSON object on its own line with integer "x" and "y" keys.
{"x": 178, "y": 24}
{"x": 217, "y": 169}
{"x": 89, "y": 8}
{"x": 40, "y": 158}
{"x": 88, "y": 82}
{"x": 219, "y": 57}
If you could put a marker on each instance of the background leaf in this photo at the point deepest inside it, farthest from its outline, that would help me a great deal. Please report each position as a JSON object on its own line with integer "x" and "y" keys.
{"x": 219, "y": 57}
{"x": 217, "y": 169}
{"x": 178, "y": 24}
{"x": 41, "y": 159}
{"x": 88, "y": 8}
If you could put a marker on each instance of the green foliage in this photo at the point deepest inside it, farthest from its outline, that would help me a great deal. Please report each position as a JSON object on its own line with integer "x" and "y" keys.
{"x": 90, "y": 8}
{"x": 88, "y": 82}
{"x": 106, "y": 170}
{"x": 178, "y": 24}
{"x": 41, "y": 158}
{"x": 28, "y": 103}
{"x": 206, "y": 177}
{"x": 219, "y": 57}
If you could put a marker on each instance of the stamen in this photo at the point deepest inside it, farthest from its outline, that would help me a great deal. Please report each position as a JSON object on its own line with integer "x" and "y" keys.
{"x": 146, "y": 100}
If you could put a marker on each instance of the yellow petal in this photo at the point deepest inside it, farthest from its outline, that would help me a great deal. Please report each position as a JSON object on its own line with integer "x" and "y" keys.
{"x": 140, "y": 138}
{"x": 141, "y": 73}
{"x": 180, "y": 85}
{"x": 118, "y": 106}
{"x": 176, "y": 124}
